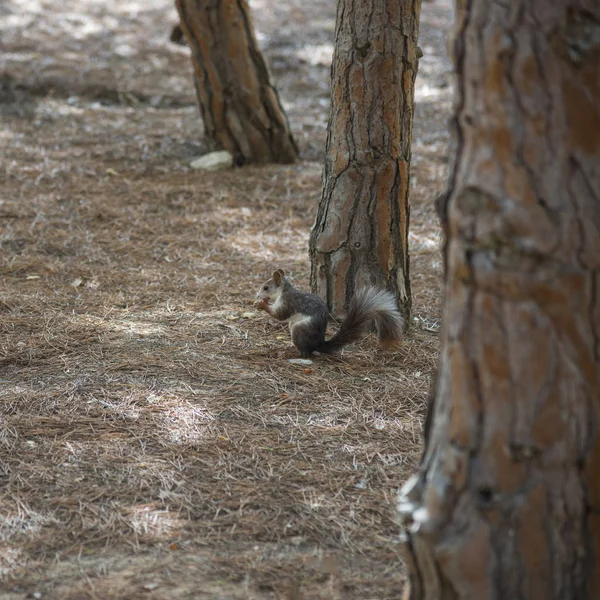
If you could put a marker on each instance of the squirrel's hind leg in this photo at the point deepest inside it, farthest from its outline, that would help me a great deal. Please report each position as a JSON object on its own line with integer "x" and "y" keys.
{"x": 306, "y": 338}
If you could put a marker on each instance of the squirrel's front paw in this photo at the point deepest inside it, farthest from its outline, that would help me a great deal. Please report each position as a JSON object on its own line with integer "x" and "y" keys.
{"x": 260, "y": 304}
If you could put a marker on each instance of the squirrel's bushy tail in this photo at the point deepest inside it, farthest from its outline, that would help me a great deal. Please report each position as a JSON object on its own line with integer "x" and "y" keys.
{"x": 368, "y": 306}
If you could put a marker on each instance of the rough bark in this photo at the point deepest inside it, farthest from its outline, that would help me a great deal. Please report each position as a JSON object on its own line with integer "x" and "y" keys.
{"x": 239, "y": 104}
{"x": 360, "y": 235}
{"x": 507, "y": 502}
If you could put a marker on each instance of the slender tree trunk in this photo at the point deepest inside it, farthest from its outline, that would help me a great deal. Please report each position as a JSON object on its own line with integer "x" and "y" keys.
{"x": 507, "y": 502}
{"x": 360, "y": 235}
{"x": 239, "y": 104}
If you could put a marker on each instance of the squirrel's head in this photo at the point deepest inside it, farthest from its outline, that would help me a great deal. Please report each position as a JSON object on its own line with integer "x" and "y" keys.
{"x": 271, "y": 290}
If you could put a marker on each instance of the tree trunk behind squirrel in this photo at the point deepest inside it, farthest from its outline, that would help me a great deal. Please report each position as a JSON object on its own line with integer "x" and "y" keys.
{"x": 507, "y": 502}
{"x": 239, "y": 104}
{"x": 360, "y": 235}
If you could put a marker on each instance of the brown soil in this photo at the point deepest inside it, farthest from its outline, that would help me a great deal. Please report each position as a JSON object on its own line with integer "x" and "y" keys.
{"x": 154, "y": 442}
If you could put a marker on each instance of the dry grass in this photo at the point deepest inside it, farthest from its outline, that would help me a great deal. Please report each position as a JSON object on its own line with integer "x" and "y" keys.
{"x": 154, "y": 442}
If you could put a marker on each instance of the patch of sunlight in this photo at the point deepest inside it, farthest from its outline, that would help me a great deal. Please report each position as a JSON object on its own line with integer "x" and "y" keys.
{"x": 187, "y": 423}
{"x": 54, "y": 109}
{"x": 424, "y": 242}
{"x": 22, "y": 520}
{"x": 148, "y": 520}
{"x": 314, "y": 501}
{"x": 258, "y": 4}
{"x": 424, "y": 91}
{"x": 11, "y": 558}
{"x": 6, "y": 134}
{"x": 320, "y": 54}
{"x": 264, "y": 246}
{"x": 17, "y": 390}
{"x": 140, "y": 328}
{"x": 29, "y": 5}
{"x": 131, "y": 8}
{"x": 84, "y": 13}
{"x": 380, "y": 422}
{"x": 329, "y": 421}
{"x": 354, "y": 448}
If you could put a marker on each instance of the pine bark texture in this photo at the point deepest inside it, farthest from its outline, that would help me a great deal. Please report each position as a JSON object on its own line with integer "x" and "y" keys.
{"x": 360, "y": 235}
{"x": 238, "y": 102}
{"x": 507, "y": 502}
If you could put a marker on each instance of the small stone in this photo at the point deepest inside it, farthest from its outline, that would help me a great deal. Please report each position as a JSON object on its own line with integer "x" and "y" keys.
{"x": 300, "y": 361}
{"x": 213, "y": 161}
{"x": 248, "y": 315}
{"x": 150, "y": 586}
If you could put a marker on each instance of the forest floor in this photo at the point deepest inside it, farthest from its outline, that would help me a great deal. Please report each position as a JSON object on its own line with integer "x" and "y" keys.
{"x": 154, "y": 441}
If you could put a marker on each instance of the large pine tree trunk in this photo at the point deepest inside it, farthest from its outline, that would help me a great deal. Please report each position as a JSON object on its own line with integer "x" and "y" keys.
{"x": 507, "y": 502}
{"x": 360, "y": 235}
{"x": 239, "y": 104}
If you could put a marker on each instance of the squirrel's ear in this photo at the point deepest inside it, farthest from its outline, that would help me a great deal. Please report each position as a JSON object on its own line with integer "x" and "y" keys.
{"x": 281, "y": 272}
{"x": 277, "y": 277}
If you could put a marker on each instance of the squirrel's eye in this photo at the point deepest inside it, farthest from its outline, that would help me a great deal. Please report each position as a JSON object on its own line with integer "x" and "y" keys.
{"x": 266, "y": 288}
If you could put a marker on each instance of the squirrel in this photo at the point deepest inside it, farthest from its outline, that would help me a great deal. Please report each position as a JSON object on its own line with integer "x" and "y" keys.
{"x": 307, "y": 315}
